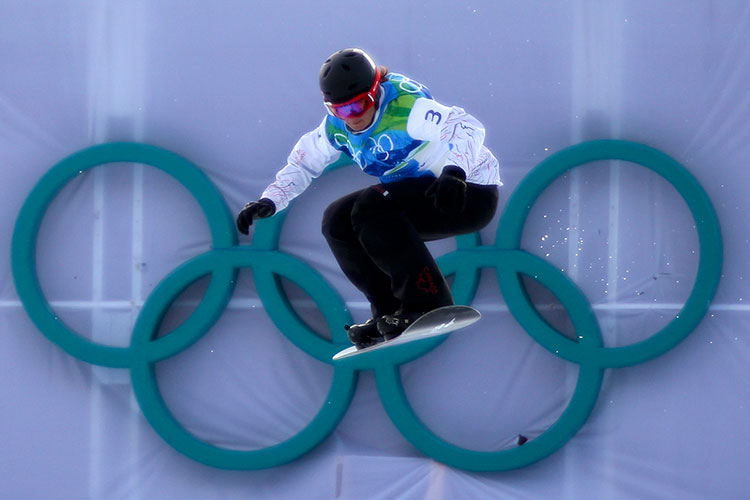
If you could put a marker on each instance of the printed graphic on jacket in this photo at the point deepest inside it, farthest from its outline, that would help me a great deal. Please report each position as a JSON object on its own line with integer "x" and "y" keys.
{"x": 385, "y": 149}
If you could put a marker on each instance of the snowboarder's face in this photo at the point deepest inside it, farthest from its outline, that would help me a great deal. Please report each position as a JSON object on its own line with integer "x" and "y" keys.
{"x": 358, "y": 111}
{"x": 361, "y": 122}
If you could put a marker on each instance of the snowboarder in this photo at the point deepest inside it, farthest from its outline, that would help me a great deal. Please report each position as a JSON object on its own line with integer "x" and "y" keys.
{"x": 436, "y": 180}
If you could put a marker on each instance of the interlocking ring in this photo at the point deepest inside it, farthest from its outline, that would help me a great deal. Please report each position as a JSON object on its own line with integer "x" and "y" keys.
{"x": 465, "y": 263}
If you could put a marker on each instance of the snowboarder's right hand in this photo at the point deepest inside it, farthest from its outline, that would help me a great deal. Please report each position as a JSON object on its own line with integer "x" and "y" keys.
{"x": 252, "y": 211}
{"x": 449, "y": 190}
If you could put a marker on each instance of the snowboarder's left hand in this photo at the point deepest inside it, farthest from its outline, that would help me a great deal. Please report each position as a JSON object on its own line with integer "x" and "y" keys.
{"x": 252, "y": 211}
{"x": 449, "y": 190}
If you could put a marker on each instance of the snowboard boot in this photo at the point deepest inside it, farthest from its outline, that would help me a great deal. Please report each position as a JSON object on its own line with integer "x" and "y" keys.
{"x": 391, "y": 326}
{"x": 364, "y": 334}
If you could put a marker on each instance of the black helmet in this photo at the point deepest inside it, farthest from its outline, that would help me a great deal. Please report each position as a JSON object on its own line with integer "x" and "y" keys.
{"x": 345, "y": 74}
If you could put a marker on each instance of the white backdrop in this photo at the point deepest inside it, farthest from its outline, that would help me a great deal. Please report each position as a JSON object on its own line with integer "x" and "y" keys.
{"x": 231, "y": 86}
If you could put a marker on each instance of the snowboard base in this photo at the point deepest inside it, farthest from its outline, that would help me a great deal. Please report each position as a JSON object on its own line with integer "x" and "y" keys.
{"x": 437, "y": 322}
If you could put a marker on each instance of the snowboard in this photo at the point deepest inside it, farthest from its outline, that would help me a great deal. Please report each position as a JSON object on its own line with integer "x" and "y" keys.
{"x": 437, "y": 322}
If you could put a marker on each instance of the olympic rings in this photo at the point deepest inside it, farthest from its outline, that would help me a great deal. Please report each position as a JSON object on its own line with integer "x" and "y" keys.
{"x": 465, "y": 263}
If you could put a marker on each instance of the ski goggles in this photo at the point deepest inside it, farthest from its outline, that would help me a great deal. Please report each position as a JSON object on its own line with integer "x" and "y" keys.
{"x": 357, "y": 106}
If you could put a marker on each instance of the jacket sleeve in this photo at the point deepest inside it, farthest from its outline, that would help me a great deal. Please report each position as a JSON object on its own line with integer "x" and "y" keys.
{"x": 450, "y": 125}
{"x": 309, "y": 157}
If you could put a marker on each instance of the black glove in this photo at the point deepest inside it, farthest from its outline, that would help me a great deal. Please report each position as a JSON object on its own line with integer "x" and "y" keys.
{"x": 252, "y": 211}
{"x": 449, "y": 190}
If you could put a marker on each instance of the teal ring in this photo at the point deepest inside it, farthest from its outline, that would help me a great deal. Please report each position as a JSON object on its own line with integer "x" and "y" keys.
{"x": 23, "y": 250}
{"x": 268, "y": 263}
{"x": 706, "y": 222}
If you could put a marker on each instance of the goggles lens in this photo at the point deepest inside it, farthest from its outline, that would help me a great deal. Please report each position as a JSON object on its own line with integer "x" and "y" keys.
{"x": 352, "y": 109}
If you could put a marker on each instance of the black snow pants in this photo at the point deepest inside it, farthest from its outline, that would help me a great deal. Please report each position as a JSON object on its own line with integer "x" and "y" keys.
{"x": 378, "y": 237}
